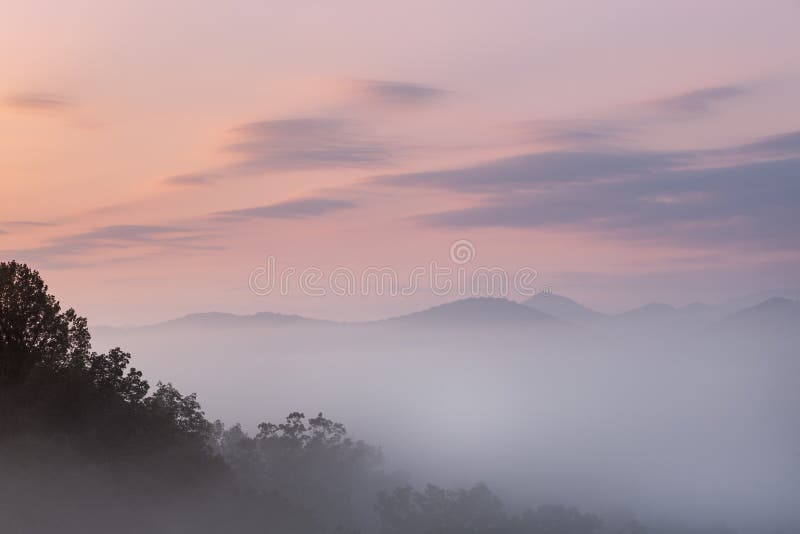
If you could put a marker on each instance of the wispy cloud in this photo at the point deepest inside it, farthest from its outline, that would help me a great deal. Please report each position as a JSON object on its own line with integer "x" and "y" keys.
{"x": 306, "y": 143}
{"x": 37, "y": 102}
{"x": 699, "y": 101}
{"x": 125, "y": 235}
{"x": 786, "y": 144}
{"x": 400, "y": 93}
{"x": 540, "y": 170}
{"x": 22, "y": 225}
{"x": 67, "y": 248}
{"x": 574, "y": 132}
{"x": 128, "y": 232}
{"x": 28, "y": 223}
{"x": 191, "y": 179}
{"x": 618, "y": 129}
{"x": 293, "y": 209}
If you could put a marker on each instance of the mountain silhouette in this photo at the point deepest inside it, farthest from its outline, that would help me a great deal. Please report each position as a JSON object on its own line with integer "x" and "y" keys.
{"x": 653, "y": 312}
{"x": 736, "y": 304}
{"x": 774, "y": 313}
{"x": 498, "y": 312}
{"x": 563, "y": 308}
{"x": 221, "y": 320}
{"x": 477, "y": 311}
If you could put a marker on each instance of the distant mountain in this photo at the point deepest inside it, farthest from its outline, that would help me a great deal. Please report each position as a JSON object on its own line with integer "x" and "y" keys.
{"x": 695, "y": 308}
{"x": 219, "y": 320}
{"x": 655, "y": 311}
{"x": 497, "y": 312}
{"x": 701, "y": 313}
{"x": 660, "y": 315}
{"x": 774, "y": 313}
{"x": 481, "y": 311}
{"x": 563, "y": 308}
{"x": 734, "y": 305}
{"x": 467, "y": 312}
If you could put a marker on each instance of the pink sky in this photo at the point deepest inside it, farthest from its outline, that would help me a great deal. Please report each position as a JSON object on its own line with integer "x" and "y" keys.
{"x": 629, "y": 151}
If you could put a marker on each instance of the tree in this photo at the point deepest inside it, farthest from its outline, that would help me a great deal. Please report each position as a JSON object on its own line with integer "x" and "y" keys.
{"x": 52, "y": 384}
{"x": 556, "y": 519}
{"x": 107, "y": 372}
{"x": 181, "y": 414}
{"x": 33, "y": 329}
{"x": 441, "y": 511}
{"x": 310, "y": 460}
{"x": 475, "y": 511}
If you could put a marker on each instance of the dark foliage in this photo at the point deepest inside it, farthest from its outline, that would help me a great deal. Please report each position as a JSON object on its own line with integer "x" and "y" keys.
{"x": 475, "y": 511}
{"x": 55, "y": 387}
{"x": 312, "y": 461}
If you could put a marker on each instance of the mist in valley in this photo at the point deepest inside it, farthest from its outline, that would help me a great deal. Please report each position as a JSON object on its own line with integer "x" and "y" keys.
{"x": 673, "y": 418}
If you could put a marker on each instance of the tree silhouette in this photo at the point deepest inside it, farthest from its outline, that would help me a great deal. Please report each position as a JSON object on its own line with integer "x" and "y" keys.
{"x": 475, "y": 511}
{"x": 440, "y": 511}
{"x": 33, "y": 329}
{"x": 310, "y": 460}
{"x": 53, "y": 384}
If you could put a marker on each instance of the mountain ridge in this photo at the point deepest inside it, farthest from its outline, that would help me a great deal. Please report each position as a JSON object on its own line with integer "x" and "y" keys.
{"x": 539, "y": 308}
{"x": 563, "y": 308}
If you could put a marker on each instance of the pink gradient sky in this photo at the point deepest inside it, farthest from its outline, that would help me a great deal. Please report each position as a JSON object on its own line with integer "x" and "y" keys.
{"x": 352, "y": 107}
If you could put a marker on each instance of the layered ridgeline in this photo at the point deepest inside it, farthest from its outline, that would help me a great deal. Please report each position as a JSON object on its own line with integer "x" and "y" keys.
{"x": 87, "y": 445}
{"x": 537, "y": 313}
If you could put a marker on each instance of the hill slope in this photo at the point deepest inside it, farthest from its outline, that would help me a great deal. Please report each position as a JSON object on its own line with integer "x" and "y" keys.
{"x": 563, "y": 308}
{"x": 481, "y": 311}
{"x": 774, "y": 313}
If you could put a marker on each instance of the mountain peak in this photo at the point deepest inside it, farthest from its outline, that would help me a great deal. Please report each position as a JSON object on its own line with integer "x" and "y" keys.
{"x": 563, "y": 308}
{"x": 476, "y": 311}
{"x": 775, "y": 312}
{"x": 653, "y": 309}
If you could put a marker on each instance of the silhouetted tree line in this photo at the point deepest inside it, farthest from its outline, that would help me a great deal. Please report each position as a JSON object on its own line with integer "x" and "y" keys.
{"x": 86, "y": 445}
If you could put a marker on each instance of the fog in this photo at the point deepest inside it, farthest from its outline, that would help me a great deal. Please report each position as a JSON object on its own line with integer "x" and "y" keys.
{"x": 686, "y": 420}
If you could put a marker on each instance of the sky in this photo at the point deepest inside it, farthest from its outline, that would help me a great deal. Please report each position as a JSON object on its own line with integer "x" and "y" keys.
{"x": 153, "y": 157}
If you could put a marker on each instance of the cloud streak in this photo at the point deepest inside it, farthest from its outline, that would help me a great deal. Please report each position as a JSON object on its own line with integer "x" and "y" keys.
{"x": 306, "y": 144}
{"x": 574, "y": 132}
{"x": 28, "y": 223}
{"x": 191, "y": 179}
{"x": 786, "y": 144}
{"x": 615, "y": 130}
{"x": 400, "y": 93}
{"x": 111, "y": 238}
{"x": 37, "y": 102}
{"x": 540, "y": 170}
{"x": 294, "y": 209}
{"x": 700, "y": 101}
